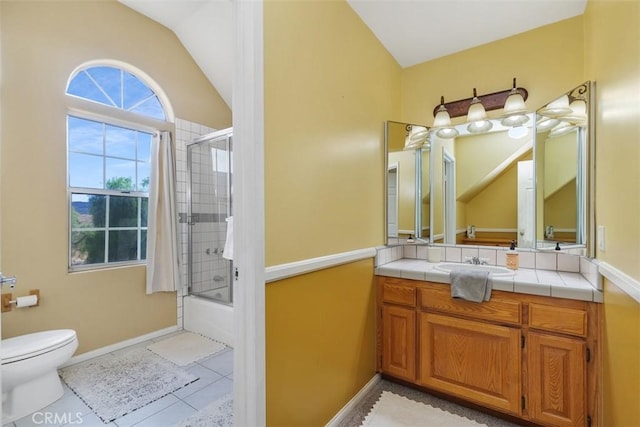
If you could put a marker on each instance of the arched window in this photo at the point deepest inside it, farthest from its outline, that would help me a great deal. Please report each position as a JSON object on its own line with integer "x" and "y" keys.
{"x": 108, "y": 164}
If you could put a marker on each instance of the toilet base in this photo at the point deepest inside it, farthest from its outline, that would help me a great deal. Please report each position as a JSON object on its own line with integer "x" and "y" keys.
{"x": 31, "y": 396}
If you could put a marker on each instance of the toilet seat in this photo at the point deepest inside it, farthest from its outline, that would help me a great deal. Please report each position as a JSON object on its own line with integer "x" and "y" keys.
{"x": 26, "y": 346}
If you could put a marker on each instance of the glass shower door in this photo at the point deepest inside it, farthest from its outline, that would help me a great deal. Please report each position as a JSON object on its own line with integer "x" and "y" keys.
{"x": 209, "y": 205}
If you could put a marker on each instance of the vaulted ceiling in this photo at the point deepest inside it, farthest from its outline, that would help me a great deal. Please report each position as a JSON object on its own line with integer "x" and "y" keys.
{"x": 413, "y": 31}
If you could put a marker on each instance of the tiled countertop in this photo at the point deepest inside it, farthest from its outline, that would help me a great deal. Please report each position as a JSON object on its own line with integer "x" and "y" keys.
{"x": 558, "y": 284}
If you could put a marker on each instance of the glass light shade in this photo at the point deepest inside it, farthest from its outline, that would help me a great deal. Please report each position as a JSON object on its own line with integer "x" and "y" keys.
{"x": 557, "y": 107}
{"x": 578, "y": 115}
{"x": 442, "y": 123}
{"x": 514, "y": 103}
{"x": 514, "y": 120}
{"x": 416, "y": 137}
{"x": 479, "y": 126}
{"x": 412, "y": 145}
{"x": 442, "y": 117}
{"x": 561, "y": 129}
{"x": 447, "y": 132}
{"x": 476, "y": 111}
{"x": 546, "y": 123}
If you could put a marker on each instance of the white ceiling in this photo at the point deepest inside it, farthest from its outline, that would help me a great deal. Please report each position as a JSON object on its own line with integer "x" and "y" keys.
{"x": 413, "y": 31}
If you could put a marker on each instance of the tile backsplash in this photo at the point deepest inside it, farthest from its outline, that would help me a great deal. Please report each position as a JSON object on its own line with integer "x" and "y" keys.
{"x": 554, "y": 261}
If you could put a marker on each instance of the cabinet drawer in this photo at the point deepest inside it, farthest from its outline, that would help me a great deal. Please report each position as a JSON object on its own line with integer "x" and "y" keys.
{"x": 496, "y": 310}
{"x": 399, "y": 294}
{"x": 558, "y": 319}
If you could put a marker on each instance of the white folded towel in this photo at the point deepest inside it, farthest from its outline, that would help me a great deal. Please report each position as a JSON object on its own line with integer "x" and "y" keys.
{"x": 228, "y": 244}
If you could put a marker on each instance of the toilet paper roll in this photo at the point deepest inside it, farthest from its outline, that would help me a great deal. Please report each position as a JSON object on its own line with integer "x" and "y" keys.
{"x": 434, "y": 254}
{"x": 28, "y": 301}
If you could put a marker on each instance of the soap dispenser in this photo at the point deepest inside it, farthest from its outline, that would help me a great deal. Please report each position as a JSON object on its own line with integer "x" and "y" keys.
{"x": 512, "y": 256}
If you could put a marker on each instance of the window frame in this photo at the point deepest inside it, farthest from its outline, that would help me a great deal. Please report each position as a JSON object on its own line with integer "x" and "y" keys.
{"x": 87, "y": 109}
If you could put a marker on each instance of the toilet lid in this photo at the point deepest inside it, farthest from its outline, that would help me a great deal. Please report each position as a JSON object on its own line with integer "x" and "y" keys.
{"x": 30, "y": 345}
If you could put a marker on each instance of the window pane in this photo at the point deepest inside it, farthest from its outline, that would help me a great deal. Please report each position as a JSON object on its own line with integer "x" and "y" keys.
{"x": 120, "y": 142}
{"x": 144, "y": 173}
{"x": 85, "y": 135}
{"x": 88, "y": 210}
{"x": 144, "y": 146}
{"x": 143, "y": 244}
{"x": 87, "y": 247}
{"x": 151, "y": 107}
{"x": 134, "y": 91}
{"x": 110, "y": 80}
{"x": 123, "y": 245}
{"x": 123, "y": 211}
{"x": 85, "y": 171}
{"x": 120, "y": 174}
{"x": 82, "y": 86}
{"x": 144, "y": 212}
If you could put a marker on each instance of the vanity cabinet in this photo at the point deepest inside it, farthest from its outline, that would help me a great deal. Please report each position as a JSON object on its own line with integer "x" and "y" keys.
{"x": 527, "y": 356}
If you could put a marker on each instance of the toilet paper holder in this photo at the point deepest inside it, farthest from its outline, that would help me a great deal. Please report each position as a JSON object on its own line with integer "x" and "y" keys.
{"x": 7, "y": 302}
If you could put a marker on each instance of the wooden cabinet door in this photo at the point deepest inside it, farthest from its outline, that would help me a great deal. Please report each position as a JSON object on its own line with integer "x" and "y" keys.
{"x": 473, "y": 360}
{"x": 399, "y": 342}
{"x": 557, "y": 375}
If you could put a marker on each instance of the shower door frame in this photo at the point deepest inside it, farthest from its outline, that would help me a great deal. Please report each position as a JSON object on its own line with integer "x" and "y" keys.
{"x": 208, "y": 139}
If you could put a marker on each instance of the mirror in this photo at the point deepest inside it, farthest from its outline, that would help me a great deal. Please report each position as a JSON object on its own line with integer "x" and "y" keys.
{"x": 562, "y": 170}
{"x": 407, "y": 181}
{"x": 482, "y": 187}
{"x": 531, "y": 183}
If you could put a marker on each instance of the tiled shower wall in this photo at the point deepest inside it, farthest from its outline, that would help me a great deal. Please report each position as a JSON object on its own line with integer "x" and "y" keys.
{"x": 210, "y": 201}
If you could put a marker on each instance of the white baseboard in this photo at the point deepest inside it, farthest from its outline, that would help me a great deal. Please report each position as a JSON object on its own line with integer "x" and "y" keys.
{"x": 355, "y": 401}
{"x": 119, "y": 345}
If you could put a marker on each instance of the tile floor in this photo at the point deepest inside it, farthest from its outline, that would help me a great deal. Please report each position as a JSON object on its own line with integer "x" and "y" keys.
{"x": 216, "y": 380}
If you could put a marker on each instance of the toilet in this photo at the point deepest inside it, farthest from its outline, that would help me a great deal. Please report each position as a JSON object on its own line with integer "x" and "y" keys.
{"x": 30, "y": 364}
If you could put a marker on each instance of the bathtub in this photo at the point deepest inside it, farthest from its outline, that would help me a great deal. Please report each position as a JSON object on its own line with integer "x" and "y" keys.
{"x": 208, "y": 318}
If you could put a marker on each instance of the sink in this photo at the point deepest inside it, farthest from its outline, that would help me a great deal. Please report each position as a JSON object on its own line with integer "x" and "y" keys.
{"x": 494, "y": 270}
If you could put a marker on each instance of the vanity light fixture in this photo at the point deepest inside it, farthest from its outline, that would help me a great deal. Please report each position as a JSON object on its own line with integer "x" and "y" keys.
{"x": 515, "y": 110}
{"x": 560, "y": 129}
{"x": 546, "y": 123}
{"x": 442, "y": 122}
{"x": 416, "y": 137}
{"x": 477, "y": 116}
{"x": 476, "y": 111}
{"x": 558, "y": 107}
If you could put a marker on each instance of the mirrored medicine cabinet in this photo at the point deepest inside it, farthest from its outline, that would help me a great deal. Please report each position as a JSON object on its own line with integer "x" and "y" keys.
{"x": 532, "y": 183}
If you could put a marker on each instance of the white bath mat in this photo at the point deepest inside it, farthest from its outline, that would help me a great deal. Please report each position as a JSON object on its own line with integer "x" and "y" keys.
{"x": 392, "y": 410}
{"x": 115, "y": 385}
{"x": 216, "y": 414}
{"x": 185, "y": 348}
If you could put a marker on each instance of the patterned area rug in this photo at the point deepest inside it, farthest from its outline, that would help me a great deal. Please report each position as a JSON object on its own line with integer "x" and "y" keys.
{"x": 185, "y": 348}
{"x": 113, "y": 386}
{"x": 217, "y": 414}
{"x": 378, "y": 408}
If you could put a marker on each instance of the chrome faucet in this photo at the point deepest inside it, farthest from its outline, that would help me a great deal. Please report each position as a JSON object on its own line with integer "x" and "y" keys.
{"x": 476, "y": 260}
{"x": 11, "y": 281}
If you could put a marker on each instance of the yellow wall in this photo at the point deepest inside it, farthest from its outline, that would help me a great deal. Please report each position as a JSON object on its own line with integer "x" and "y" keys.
{"x": 541, "y": 64}
{"x": 42, "y": 43}
{"x": 320, "y": 343}
{"x": 329, "y": 87}
{"x": 612, "y": 52}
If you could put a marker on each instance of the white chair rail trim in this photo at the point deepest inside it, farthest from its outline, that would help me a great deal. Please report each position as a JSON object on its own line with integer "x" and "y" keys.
{"x": 284, "y": 271}
{"x": 622, "y": 280}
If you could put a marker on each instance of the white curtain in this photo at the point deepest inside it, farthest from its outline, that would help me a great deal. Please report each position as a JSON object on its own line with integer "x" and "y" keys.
{"x": 163, "y": 274}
